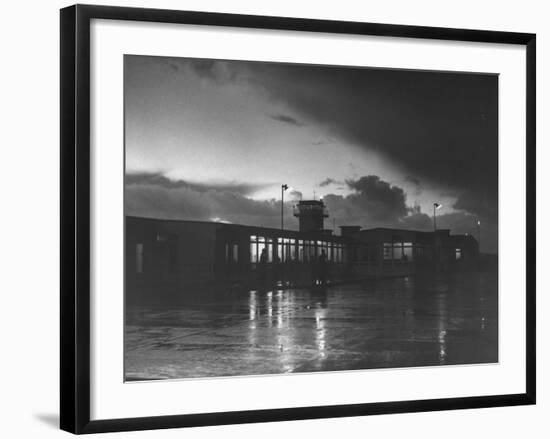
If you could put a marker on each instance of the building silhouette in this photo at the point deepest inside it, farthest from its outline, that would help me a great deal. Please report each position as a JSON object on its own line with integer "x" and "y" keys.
{"x": 165, "y": 259}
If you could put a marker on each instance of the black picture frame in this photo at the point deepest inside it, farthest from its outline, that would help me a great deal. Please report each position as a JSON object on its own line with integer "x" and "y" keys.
{"x": 76, "y": 210}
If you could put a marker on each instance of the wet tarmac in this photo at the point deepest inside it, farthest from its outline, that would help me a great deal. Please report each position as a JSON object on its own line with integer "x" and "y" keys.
{"x": 402, "y": 322}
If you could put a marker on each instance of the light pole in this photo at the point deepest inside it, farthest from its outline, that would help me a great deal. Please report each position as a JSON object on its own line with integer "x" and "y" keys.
{"x": 479, "y": 235}
{"x": 284, "y": 187}
{"x": 436, "y": 206}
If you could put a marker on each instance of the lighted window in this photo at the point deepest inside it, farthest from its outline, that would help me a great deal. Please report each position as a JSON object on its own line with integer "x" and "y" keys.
{"x": 253, "y": 252}
{"x": 261, "y": 247}
{"x": 235, "y": 253}
{"x": 293, "y": 249}
{"x": 139, "y": 258}
{"x": 458, "y": 253}
{"x": 397, "y": 251}
{"x": 257, "y": 245}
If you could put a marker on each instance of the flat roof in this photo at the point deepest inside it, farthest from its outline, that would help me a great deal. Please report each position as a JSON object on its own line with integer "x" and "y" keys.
{"x": 404, "y": 230}
{"x": 244, "y": 226}
{"x": 277, "y": 230}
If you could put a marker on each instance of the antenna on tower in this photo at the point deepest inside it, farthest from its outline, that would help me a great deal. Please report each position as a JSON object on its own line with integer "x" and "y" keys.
{"x": 314, "y": 194}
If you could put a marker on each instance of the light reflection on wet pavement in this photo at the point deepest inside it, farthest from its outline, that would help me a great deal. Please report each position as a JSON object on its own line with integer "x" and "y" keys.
{"x": 400, "y": 322}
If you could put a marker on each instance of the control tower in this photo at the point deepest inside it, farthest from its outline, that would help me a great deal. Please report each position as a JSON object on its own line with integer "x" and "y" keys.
{"x": 311, "y": 215}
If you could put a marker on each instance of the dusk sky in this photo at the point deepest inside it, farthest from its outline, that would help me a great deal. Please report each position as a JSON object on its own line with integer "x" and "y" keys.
{"x": 214, "y": 140}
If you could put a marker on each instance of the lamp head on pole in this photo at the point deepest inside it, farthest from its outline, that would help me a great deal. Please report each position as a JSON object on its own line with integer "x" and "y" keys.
{"x": 437, "y": 206}
{"x": 284, "y": 187}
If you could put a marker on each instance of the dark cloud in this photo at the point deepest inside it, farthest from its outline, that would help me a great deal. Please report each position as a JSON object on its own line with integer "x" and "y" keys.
{"x": 372, "y": 203}
{"x": 328, "y": 181}
{"x": 158, "y": 179}
{"x": 383, "y": 201}
{"x": 376, "y": 203}
{"x": 286, "y": 119}
{"x": 154, "y": 195}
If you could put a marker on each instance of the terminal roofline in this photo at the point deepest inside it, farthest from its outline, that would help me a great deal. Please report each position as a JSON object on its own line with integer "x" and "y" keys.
{"x": 274, "y": 229}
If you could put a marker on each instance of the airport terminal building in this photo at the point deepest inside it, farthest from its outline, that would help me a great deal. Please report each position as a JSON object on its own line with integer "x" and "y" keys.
{"x": 172, "y": 257}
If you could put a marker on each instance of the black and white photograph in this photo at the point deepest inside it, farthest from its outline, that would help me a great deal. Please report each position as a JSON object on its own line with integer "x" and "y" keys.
{"x": 275, "y": 219}
{"x": 293, "y": 218}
